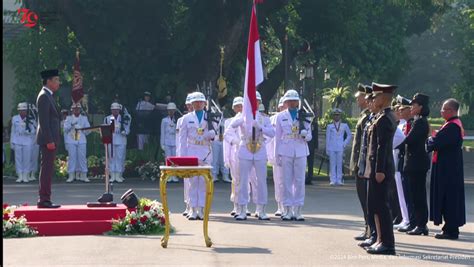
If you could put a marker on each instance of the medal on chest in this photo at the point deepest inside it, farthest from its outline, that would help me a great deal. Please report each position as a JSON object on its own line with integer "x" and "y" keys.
{"x": 337, "y": 127}
{"x": 200, "y": 131}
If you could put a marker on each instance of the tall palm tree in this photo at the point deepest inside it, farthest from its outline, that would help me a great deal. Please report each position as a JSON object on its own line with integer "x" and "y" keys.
{"x": 337, "y": 95}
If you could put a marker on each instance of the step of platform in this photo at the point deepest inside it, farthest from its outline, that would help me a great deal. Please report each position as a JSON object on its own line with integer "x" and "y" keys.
{"x": 71, "y": 219}
{"x": 70, "y": 213}
{"x": 61, "y": 228}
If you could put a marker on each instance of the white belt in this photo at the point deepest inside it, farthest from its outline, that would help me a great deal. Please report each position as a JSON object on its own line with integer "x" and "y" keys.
{"x": 291, "y": 136}
{"x": 199, "y": 143}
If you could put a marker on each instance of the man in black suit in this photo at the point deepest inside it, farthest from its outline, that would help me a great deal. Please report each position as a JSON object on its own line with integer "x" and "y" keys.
{"x": 48, "y": 134}
{"x": 382, "y": 167}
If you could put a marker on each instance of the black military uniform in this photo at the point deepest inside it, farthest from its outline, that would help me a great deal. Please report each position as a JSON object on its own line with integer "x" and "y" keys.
{"x": 361, "y": 183}
{"x": 417, "y": 163}
{"x": 380, "y": 160}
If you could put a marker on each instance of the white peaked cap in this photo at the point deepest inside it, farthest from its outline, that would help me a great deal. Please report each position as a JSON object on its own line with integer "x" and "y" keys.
{"x": 238, "y": 101}
{"x": 22, "y": 106}
{"x": 291, "y": 95}
{"x": 171, "y": 105}
{"x": 198, "y": 96}
{"x": 116, "y": 106}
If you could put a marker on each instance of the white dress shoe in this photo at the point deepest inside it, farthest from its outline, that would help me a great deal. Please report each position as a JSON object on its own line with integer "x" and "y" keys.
{"x": 84, "y": 177}
{"x": 193, "y": 215}
{"x": 32, "y": 177}
{"x": 71, "y": 178}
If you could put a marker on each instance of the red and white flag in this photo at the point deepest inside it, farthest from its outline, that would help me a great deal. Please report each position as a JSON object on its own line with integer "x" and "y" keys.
{"x": 77, "y": 89}
{"x": 253, "y": 73}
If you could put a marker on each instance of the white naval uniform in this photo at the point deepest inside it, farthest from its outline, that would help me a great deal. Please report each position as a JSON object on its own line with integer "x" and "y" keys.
{"x": 277, "y": 171}
{"x": 398, "y": 138}
{"x": 218, "y": 155}
{"x": 231, "y": 159}
{"x": 77, "y": 149}
{"x": 142, "y": 139}
{"x": 168, "y": 136}
{"x": 119, "y": 141}
{"x": 22, "y": 142}
{"x": 257, "y": 160}
{"x": 291, "y": 150}
{"x": 186, "y": 182}
{"x": 335, "y": 145}
{"x": 194, "y": 139}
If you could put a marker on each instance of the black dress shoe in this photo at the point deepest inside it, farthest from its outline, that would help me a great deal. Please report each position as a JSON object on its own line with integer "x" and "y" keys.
{"x": 361, "y": 237}
{"x": 47, "y": 205}
{"x": 406, "y": 228}
{"x": 367, "y": 243}
{"x": 446, "y": 236}
{"x": 419, "y": 231}
{"x": 381, "y": 250}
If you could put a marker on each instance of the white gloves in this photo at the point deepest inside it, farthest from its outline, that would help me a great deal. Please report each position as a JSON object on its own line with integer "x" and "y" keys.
{"x": 237, "y": 122}
{"x": 278, "y": 160}
{"x": 235, "y": 141}
{"x": 210, "y": 135}
{"x": 124, "y": 133}
{"x": 256, "y": 125}
{"x": 304, "y": 133}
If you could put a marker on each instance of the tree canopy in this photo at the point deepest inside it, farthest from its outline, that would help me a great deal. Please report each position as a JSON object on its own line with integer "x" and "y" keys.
{"x": 167, "y": 47}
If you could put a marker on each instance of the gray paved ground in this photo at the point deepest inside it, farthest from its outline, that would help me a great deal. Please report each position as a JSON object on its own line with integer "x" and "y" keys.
{"x": 325, "y": 238}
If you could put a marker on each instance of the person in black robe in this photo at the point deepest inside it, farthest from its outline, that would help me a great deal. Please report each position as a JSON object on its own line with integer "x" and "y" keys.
{"x": 447, "y": 176}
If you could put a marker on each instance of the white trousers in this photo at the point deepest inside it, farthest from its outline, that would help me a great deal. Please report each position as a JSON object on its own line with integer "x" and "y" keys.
{"x": 197, "y": 192}
{"x": 401, "y": 198}
{"x": 116, "y": 163}
{"x": 277, "y": 182}
{"x": 245, "y": 167}
{"x": 34, "y": 158}
{"x": 335, "y": 166}
{"x": 293, "y": 178}
{"x": 253, "y": 191}
{"x": 218, "y": 160}
{"x": 77, "y": 160}
{"x": 22, "y": 158}
{"x": 142, "y": 139}
{"x": 187, "y": 184}
{"x": 235, "y": 173}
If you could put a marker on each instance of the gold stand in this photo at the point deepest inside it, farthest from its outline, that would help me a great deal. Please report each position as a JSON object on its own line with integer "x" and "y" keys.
{"x": 185, "y": 173}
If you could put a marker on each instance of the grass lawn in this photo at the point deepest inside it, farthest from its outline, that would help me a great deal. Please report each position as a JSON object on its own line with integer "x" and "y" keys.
{"x": 468, "y": 143}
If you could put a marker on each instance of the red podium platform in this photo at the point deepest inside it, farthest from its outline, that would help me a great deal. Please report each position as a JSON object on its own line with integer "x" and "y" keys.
{"x": 71, "y": 219}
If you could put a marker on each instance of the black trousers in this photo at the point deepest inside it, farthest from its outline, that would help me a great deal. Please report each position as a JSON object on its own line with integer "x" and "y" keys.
{"x": 393, "y": 202}
{"x": 46, "y": 173}
{"x": 407, "y": 192}
{"x": 361, "y": 188}
{"x": 378, "y": 205}
{"x": 417, "y": 180}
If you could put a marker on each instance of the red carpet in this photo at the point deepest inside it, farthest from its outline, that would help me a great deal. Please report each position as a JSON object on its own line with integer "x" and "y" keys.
{"x": 71, "y": 219}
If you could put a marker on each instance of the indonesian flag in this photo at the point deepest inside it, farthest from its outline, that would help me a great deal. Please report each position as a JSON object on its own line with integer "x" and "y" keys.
{"x": 77, "y": 90}
{"x": 253, "y": 73}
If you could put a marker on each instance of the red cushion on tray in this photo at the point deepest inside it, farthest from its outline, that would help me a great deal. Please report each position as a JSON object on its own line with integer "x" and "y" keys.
{"x": 181, "y": 161}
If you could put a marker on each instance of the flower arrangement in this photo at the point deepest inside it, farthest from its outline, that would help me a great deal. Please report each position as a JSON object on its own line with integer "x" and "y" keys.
{"x": 148, "y": 218}
{"x": 60, "y": 166}
{"x": 150, "y": 170}
{"x": 96, "y": 166}
{"x": 15, "y": 226}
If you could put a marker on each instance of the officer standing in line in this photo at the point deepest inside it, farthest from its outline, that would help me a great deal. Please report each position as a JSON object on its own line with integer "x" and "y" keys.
{"x": 252, "y": 154}
{"x": 76, "y": 144}
{"x": 291, "y": 151}
{"x": 119, "y": 140}
{"x": 335, "y": 145}
{"x": 22, "y": 142}
{"x": 231, "y": 159}
{"x": 382, "y": 168}
{"x": 186, "y": 182}
{"x": 194, "y": 138}
{"x": 361, "y": 183}
{"x": 277, "y": 171}
{"x": 168, "y": 134}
